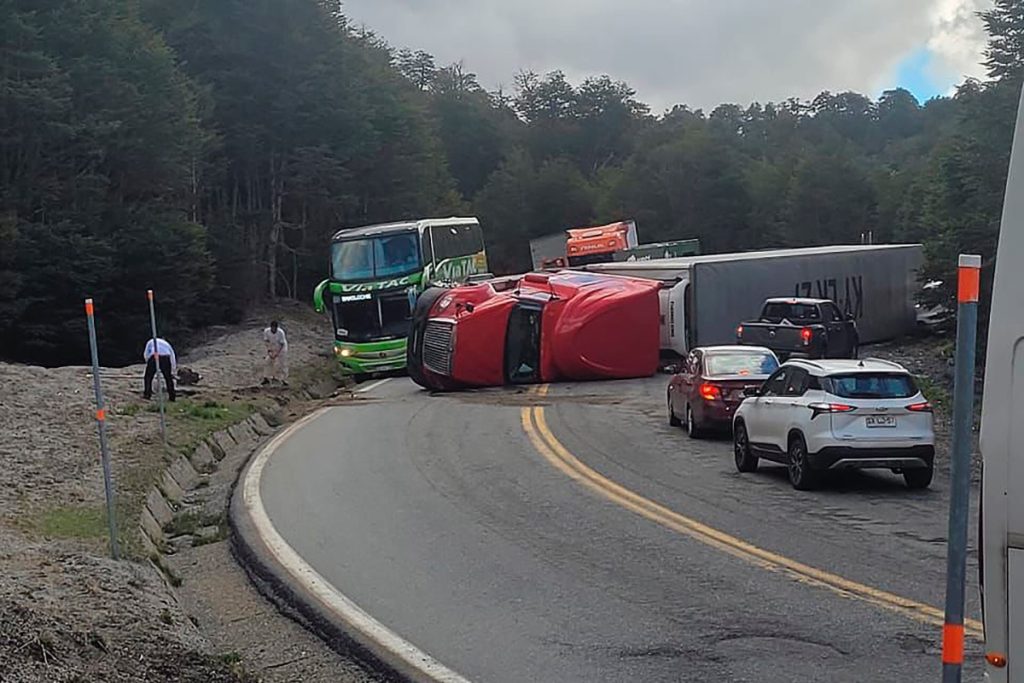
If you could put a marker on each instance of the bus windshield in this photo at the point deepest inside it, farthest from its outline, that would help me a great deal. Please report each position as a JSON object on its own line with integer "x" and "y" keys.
{"x": 376, "y": 258}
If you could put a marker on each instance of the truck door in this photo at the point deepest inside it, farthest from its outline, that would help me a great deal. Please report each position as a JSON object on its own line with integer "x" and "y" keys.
{"x": 522, "y": 344}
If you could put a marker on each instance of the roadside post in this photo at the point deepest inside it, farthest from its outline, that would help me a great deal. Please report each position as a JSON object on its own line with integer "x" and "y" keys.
{"x": 156, "y": 364}
{"x": 968, "y": 290}
{"x": 101, "y": 425}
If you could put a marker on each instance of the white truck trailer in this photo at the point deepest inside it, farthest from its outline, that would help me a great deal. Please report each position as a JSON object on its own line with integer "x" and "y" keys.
{"x": 704, "y": 298}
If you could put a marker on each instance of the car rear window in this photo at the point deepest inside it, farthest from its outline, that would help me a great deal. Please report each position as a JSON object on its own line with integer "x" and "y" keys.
{"x": 740, "y": 363}
{"x": 870, "y": 385}
{"x": 777, "y": 312}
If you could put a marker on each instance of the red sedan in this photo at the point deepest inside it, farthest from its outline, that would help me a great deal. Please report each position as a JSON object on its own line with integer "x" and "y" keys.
{"x": 704, "y": 395}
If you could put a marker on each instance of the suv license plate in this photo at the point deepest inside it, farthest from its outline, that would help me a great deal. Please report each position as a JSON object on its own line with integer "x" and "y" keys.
{"x": 880, "y": 421}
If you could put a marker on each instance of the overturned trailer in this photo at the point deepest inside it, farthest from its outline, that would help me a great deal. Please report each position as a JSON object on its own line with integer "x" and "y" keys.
{"x": 704, "y": 298}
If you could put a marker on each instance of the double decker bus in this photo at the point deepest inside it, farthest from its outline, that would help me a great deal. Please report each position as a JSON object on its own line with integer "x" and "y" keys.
{"x": 1002, "y": 442}
{"x": 376, "y": 273}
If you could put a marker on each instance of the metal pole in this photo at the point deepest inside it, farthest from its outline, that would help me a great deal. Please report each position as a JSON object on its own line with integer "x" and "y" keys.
{"x": 156, "y": 365}
{"x": 101, "y": 424}
{"x": 968, "y": 291}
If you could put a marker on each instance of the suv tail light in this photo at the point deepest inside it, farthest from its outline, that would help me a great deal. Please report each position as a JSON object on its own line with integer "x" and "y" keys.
{"x": 806, "y": 335}
{"x": 710, "y": 392}
{"x": 829, "y": 408}
{"x": 739, "y": 332}
{"x": 920, "y": 407}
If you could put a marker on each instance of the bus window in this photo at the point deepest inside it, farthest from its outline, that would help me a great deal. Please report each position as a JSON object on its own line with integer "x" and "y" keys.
{"x": 451, "y": 241}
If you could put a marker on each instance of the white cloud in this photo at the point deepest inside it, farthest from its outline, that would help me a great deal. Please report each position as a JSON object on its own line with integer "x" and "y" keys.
{"x": 697, "y": 52}
{"x": 958, "y": 38}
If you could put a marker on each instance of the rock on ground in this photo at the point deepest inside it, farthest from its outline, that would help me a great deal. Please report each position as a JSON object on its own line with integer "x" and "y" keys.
{"x": 67, "y": 613}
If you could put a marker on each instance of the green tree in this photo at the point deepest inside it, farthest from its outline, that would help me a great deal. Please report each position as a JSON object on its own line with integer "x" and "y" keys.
{"x": 1005, "y": 54}
{"x": 99, "y": 136}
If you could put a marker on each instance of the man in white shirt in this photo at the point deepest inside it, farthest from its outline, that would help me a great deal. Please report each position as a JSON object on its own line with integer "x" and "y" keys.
{"x": 168, "y": 366}
{"x": 276, "y": 366}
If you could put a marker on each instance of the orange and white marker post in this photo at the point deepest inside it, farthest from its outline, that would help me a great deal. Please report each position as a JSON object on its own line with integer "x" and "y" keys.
{"x": 968, "y": 293}
{"x": 156, "y": 365}
{"x": 101, "y": 424}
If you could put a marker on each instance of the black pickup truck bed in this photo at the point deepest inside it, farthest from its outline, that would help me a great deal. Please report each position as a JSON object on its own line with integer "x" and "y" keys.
{"x": 814, "y": 328}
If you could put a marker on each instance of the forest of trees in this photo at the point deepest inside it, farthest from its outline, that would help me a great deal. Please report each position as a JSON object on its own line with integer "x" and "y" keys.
{"x": 208, "y": 150}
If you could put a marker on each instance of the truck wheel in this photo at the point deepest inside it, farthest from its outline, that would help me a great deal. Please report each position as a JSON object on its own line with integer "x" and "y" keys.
{"x": 692, "y": 429}
{"x": 801, "y": 476}
{"x": 919, "y": 479}
{"x": 673, "y": 421}
{"x": 746, "y": 461}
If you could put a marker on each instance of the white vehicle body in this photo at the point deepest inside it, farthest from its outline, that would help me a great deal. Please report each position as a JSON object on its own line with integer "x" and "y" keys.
{"x": 706, "y": 297}
{"x": 1002, "y": 442}
{"x": 843, "y": 414}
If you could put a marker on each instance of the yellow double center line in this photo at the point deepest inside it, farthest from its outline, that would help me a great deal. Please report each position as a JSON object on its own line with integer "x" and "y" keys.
{"x": 536, "y": 427}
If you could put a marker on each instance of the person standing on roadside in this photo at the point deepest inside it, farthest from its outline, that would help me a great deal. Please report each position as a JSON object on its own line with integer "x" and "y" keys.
{"x": 277, "y": 354}
{"x": 168, "y": 366}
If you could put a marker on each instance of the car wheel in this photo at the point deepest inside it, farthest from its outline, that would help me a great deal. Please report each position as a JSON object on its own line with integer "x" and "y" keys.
{"x": 692, "y": 429}
{"x": 746, "y": 461}
{"x": 673, "y": 420}
{"x": 919, "y": 478}
{"x": 801, "y": 476}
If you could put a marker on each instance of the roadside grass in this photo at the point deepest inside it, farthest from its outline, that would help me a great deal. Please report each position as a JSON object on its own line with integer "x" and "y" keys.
{"x": 141, "y": 458}
{"x": 189, "y": 421}
{"x": 86, "y": 522}
{"x": 936, "y": 393}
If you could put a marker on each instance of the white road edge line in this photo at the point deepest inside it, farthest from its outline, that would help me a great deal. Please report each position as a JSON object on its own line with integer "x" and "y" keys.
{"x": 316, "y": 584}
{"x": 370, "y": 387}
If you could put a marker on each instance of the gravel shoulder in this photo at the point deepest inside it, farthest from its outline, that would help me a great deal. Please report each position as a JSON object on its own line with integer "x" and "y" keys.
{"x": 67, "y": 612}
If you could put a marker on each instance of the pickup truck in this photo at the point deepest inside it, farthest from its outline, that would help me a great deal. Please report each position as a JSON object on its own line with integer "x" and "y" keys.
{"x": 812, "y": 328}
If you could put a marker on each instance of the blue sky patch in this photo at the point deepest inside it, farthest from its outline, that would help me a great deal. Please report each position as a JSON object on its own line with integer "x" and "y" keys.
{"x": 915, "y": 73}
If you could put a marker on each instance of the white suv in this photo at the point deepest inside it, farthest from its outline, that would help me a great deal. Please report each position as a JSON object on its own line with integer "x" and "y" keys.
{"x": 837, "y": 414}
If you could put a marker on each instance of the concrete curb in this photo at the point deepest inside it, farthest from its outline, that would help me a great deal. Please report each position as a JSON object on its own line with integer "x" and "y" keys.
{"x": 294, "y": 586}
{"x": 166, "y": 498}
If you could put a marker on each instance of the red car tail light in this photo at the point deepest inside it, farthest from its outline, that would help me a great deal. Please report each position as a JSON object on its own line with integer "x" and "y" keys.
{"x": 806, "y": 335}
{"x": 710, "y": 392}
{"x": 920, "y": 407}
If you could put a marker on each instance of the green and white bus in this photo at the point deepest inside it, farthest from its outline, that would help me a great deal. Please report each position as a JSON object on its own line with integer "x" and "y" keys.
{"x": 376, "y": 274}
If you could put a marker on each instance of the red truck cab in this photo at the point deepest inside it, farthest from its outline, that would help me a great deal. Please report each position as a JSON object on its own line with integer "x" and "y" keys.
{"x": 538, "y": 327}
{"x": 596, "y": 245}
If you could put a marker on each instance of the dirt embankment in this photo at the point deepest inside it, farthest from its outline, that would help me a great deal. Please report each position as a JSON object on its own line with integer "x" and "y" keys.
{"x": 67, "y": 613}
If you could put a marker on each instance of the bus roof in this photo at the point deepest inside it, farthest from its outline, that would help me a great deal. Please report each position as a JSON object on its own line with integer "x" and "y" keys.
{"x": 397, "y": 227}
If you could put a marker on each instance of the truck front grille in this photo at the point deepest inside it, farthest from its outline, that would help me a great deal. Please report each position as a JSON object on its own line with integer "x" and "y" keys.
{"x": 437, "y": 346}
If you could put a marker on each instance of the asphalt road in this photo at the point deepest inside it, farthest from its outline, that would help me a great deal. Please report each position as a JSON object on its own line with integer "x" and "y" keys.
{"x": 438, "y": 516}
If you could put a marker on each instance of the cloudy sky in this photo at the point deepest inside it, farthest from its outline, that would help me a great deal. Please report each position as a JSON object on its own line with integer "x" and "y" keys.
{"x": 698, "y": 52}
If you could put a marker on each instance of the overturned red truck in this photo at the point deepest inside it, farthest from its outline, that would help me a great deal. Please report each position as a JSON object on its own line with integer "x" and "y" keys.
{"x": 538, "y": 327}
